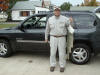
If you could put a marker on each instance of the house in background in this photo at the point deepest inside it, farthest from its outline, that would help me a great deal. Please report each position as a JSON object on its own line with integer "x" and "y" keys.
{"x": 45, "y": 3}
{"x": 23, "y": 9}
{"x": 95, "y": 9}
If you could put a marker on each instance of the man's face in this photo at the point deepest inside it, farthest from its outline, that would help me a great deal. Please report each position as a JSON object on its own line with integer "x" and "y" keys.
{"x": 57, "y": 13}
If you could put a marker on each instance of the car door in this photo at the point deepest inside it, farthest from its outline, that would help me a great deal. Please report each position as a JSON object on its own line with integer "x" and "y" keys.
{"x": 34, "y": 34}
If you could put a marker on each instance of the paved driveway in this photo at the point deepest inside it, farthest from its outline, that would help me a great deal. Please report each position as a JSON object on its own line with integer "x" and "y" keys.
{"x": 36, "y": 64}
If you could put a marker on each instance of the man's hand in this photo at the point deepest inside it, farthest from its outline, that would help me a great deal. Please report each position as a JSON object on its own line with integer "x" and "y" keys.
{"x": 46, "y": 41}
{"x": 71, "y": 19}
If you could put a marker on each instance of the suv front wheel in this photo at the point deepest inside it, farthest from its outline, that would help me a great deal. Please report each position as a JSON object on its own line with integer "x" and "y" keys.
{"x": 80, "y": 54}
{"x": 5, "y": 49}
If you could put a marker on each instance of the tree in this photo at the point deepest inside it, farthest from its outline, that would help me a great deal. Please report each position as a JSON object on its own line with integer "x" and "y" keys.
{"x": 90, "y": 3}
{"x": 65, "y": 6}
{"x": 93, "y": 3}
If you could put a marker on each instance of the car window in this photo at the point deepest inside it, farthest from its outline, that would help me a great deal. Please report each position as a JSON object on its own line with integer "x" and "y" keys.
{"x": 35, "y": 22}
{"x": 72, "y": 23}
{"x": 42, "y": 22}
{"x": 66, "y": 15}
{"x": 84, "y": 21}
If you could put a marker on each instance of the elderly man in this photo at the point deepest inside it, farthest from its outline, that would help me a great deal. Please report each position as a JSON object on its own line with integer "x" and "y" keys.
{"x": 57, "y": 27}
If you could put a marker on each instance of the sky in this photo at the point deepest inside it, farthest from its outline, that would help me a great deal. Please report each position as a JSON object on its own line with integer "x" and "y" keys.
{"x": 59, "y": 2}
{"x": 73, "y": 2}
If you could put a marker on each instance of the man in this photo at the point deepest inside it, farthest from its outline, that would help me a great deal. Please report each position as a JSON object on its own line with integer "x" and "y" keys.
{"x": 57, "y": 27}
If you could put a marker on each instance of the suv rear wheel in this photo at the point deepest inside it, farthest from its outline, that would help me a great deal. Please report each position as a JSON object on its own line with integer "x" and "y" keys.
{"x": 5, "y": 49}
{"x": 80, "y": 54}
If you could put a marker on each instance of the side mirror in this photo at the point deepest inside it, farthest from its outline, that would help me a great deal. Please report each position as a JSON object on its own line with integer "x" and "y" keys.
{"x": 95, "y": 23}
{"x": 21, "y": 28}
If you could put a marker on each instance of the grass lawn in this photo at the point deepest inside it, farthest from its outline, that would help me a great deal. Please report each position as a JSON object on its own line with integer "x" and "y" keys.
{"x": 6, "y": 25}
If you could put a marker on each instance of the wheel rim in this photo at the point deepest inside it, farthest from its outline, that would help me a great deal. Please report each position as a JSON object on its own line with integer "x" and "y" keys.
{"x": 3, "y": 49}
{"x": 79, "y": 54}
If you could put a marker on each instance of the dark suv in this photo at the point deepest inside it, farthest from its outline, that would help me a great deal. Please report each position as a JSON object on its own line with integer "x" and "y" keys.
{"x": 29, "y": 36}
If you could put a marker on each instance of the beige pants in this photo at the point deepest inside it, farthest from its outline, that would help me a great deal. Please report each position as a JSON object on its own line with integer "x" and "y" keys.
{"x": 59, "y": 43}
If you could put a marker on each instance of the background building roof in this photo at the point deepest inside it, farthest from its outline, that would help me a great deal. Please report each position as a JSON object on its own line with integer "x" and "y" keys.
{"x": 27, "y": 5}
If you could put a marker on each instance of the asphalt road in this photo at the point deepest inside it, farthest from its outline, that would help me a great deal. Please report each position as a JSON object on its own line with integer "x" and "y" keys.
{"x": 38, "y": 64}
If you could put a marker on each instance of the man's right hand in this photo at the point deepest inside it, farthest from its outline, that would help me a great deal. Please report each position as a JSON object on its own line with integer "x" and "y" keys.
{"x": 46, "y": 41}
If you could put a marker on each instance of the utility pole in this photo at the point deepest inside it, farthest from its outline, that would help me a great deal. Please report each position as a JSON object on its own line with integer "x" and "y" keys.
{"x": 43, "y": 4}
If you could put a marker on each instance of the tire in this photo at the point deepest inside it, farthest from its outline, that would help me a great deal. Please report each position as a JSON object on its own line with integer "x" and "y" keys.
{"x": 5, "y": 49}
{"x": 80, "y": 54}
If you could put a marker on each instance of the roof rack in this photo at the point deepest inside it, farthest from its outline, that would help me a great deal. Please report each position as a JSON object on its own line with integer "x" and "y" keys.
{"x": 81, "y": 11}
{"x": 48, "y": 12}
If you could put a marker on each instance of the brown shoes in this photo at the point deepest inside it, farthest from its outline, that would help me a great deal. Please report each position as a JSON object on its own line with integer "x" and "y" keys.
{"x": 52, "y": 69}
{"x": 62, "y": 69}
